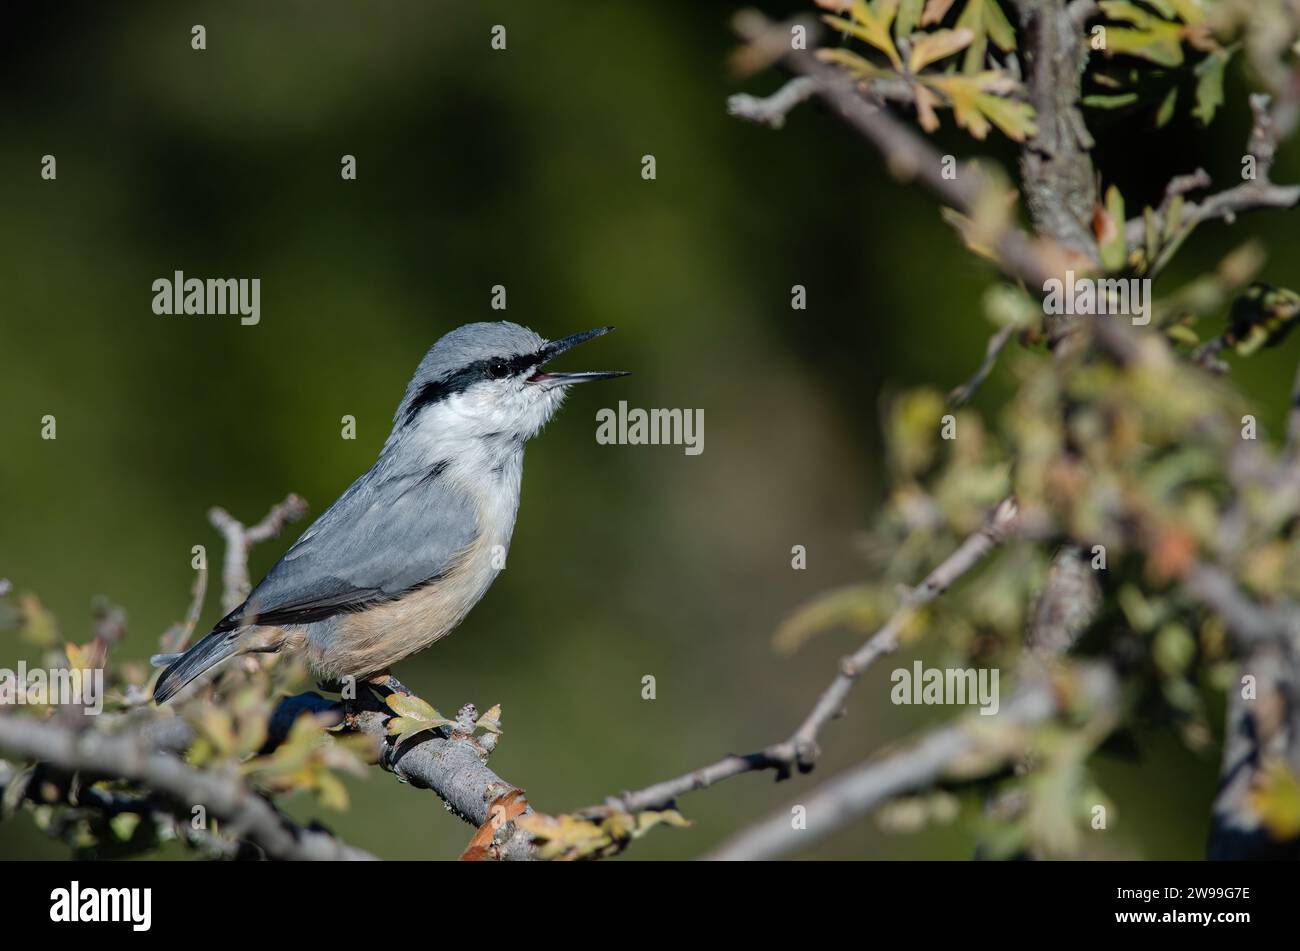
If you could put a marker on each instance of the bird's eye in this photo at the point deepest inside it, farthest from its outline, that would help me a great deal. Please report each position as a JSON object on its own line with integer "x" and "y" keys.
{"x": 498, "y": 368}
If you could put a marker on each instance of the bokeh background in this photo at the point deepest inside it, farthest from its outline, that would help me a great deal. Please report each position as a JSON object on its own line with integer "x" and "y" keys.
{"x": 521, "y": 168}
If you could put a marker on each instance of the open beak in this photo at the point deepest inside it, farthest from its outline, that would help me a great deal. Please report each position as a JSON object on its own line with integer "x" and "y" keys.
{"x": 557, "y": 347}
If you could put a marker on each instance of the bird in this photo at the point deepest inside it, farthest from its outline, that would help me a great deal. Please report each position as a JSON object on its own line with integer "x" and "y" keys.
{"x": 405, "y": 553}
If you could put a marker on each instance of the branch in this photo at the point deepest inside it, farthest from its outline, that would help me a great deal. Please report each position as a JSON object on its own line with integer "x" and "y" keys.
{"x": 239, "y": 540}
{"x": 908, "y": 155}
{"x": 1261, "y": 729}
{"x": 1059, "y": 181}
{"x": 858, "y": 791}
{"x": 453, "y": 763}
{"x": 773, "y": 109}
{"x": 1248, "y": 196}
{"x": 1249, "y": 622}
{"x": 801, "y": 749}
{"x": 126, "y": 757}
{"x": 1067, "y": 606}
{"x": 961, "y": 395}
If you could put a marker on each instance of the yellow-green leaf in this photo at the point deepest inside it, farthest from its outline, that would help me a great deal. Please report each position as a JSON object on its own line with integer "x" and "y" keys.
{"x": 1209, "y": 85}
{"x": 932, "y": 47}
{"x": 870, "y": 27}
{"x": 1114, "y": 248}
{"x": 405, "y": 705}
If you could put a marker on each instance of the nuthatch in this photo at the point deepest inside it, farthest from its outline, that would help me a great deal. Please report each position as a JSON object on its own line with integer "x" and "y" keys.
{"x": 404, "y": 554}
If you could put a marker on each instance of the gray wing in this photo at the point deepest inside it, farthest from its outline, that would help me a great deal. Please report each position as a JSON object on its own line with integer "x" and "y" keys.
{"x": 381, "y": 538}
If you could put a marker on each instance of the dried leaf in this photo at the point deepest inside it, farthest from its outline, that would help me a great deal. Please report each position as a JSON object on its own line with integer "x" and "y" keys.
{"x": 935, "y": 11}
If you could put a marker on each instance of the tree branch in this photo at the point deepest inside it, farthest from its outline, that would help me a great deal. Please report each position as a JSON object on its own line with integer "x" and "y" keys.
{"x": 772, "y": 110}
{"x": 800, "y": 749}
{"x": 453, "y": 763}
{"x": 863, "y": 788}
{"x": 1059, "y": 181}
{"x": 1251, "y": 195}
{"x": 127, "y": 757}
{"x": 908, "y": 154}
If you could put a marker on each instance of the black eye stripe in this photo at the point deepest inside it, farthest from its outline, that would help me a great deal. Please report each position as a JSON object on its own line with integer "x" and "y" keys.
{"x": 492, "y": 368}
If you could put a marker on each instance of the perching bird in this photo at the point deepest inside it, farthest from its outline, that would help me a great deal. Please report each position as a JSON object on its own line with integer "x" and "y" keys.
{"x": 404, "y": 554}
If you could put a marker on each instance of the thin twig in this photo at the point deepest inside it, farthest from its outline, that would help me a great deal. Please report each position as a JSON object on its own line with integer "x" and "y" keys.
{"x": 239, "y": 539}
{"x": 861, "y": 789}
{"x": 962, "y": 394}
{"x": 1251, "y": 195}
{"x": 772, "y": 110}
{"x": 800, "y": 749}
{"x": 908, "y": 155}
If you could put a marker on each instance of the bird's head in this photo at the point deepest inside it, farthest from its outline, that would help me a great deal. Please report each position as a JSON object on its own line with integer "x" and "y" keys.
{"x": 488, "y": 379}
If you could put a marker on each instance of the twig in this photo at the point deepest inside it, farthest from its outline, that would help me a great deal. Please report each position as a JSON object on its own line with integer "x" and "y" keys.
{"x": 908, "y": 155}
{"x": 239, "y": 539}
{"x": 962, "y": 394}
{"x": 800, "y": 749}
{"x": 772, "y": 110}
{"x": 127, "y": 757}
{"x": 859, "y": 790}
{"x": 1248, "y": 196}
{"x": 178, "y": 639}
{"x": 1249, "y": 622}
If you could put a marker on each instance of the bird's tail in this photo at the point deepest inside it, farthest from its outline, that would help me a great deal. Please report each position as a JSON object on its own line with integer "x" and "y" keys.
{"x": 203, "y": 656}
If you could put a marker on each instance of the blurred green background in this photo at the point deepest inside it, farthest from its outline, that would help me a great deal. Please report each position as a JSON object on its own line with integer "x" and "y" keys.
{"x": 521, "y": 167}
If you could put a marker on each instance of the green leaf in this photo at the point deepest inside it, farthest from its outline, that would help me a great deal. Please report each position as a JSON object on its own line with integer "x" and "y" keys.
{"x": 1114, "y": 249}
{"x": 1174, "y": 649}
{"x": 405, "y": 705}
{"x": 976, "y": 103}
{"x": 1163, "y": 49}
{"x": 1014, "y": 118}
{"x": 909, "y": 15}
{"x": 1150, "y": 37}
{"x": 1105, "y": 101}
{"x": 1189, "y": 11}
{"x": 985, "y": 20}
{"x": 406, "y": 726}
{"x": 1167, "y": 107}
{"x": 871, "y": 26}
{"x": 1209, "y": 85}
{"x": 124, "y": 825}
